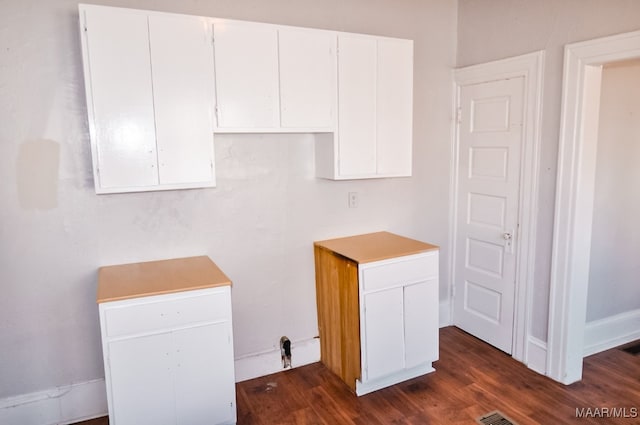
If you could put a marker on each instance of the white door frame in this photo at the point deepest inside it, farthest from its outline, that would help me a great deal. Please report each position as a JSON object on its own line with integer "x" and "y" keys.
{"x": 574, "y": 197}
{"x": 526, "y": 348}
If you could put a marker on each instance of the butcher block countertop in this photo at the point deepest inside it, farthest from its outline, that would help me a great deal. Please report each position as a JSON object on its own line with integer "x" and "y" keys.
{"x": 158, "y": 277}
{"x": 375, "y": 247}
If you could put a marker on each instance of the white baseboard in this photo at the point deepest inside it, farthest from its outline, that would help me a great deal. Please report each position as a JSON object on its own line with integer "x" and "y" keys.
{"x": 87, "y": 400}
{"x": 268, "y": 362}
{"x": 61, "y": 405}
{"x": 610, "y": 332}
{"x": 444, "y": 316}
{"x": 537, "y": 355}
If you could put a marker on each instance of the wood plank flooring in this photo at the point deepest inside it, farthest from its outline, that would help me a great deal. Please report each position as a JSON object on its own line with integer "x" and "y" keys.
{"x": 471, "y": 379}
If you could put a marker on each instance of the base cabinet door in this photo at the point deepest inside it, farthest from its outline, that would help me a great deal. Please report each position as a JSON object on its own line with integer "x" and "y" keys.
{"x": 180, "y": 377}
{"x": 420, "y": 323}
{"x": 384, "y": 336}
{"x": 141, "y": 380}
{"x": 201, "y": 391}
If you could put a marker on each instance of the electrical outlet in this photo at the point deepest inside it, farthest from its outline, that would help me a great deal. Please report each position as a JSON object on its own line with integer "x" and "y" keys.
{"x": 353, "y": 199}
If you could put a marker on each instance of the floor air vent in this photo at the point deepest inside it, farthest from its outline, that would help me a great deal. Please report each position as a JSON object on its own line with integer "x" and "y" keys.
{"x": 495, "y": 418}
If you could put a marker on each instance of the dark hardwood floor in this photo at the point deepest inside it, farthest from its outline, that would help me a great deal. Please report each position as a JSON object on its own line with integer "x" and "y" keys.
{"x": 471, "y": 379}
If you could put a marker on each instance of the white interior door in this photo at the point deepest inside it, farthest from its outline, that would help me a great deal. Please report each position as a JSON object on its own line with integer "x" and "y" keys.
{"x": 490, "y": 137}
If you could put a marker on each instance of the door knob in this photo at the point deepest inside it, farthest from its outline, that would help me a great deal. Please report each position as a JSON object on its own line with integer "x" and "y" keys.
{"x": 507, "y": 236}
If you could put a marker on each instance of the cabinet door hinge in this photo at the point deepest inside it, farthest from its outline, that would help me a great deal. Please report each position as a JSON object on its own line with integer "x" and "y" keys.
{"x": 459, "y": 115}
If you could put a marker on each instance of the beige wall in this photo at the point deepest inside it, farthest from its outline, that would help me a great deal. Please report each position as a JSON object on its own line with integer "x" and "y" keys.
{"x": 496, "y": 29}
{"x": 614, "y": 274}
{"x": 258, "y": 224}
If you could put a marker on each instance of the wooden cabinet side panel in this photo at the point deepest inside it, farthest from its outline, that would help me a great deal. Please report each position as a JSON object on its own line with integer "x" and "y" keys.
{"x": 350, "y": 324}
{"x": 338, "y": 314}
{"x": 328, "y": 306}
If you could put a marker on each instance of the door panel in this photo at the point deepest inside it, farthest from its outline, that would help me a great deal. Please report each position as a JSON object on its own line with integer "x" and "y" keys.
{"x": 420, "y": 323}
{"x": 384, "y": 332}
{"x": 357, "y": 57}
{"x": 142, "y": 380}
{"x": 204, "y": 375}
{"x": 246, "y": 62}
{"x": 122, "y": 98}
{"x": 490, "y": 137}
{"x": 182, "y": 58}
{"x": 394, "y": 107}
{"x": 307, "y": 78}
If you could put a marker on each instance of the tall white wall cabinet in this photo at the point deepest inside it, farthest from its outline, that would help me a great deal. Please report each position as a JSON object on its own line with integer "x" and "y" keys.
{"x": 150, "y": 98}
{"x": 167, "y": 343}
{"x": 377, "y": 298}
{"x": 375, "y": 104}
{"x": 159, "y": 86}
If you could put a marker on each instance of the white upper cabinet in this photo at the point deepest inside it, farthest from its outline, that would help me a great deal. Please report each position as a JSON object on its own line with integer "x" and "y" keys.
{"x": 159, "y": 86}
{"x": 246, "y": 57}
{"x": 274, "y": 79}
{"x": 149, "y": 85}
{"x": 375, "y": 104}
{"x": 307, "y": 79}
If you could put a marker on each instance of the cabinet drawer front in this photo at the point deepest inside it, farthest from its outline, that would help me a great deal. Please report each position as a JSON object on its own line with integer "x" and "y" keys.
{"x": 400, "y": 272}
{"x": 166, "y": 314}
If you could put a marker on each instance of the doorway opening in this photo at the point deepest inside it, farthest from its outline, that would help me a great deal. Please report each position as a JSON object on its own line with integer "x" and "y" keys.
{"x": 575, "y": 197}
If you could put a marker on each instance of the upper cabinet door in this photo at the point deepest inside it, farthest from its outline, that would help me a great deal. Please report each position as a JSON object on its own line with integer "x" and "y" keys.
{"x": 246, "y": 58}
{"x": 394, "y": 107}
{"x": 307, "y": 78}
{"x": 183, "y": 90}
{"x": 356, "y": 106}
{"x": 119, "y": 98}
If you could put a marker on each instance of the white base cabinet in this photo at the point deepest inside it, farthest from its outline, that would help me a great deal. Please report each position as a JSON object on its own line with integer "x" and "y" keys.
{"x": 377, "y": 298}
{"x": 169, "y": 358}
{"x": 398, "y": 320}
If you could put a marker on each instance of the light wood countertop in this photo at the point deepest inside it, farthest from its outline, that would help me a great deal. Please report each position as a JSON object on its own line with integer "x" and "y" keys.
{"x": 158, "y": 277}
{"x": 375, "y": 246}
